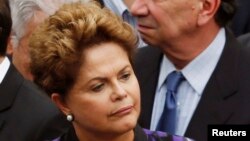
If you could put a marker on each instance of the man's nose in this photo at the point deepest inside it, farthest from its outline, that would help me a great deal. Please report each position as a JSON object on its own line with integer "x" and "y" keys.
{"x": 138, "y": 8}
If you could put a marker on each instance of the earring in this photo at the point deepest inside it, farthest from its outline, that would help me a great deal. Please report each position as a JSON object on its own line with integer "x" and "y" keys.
{"x": 70, "y": 117}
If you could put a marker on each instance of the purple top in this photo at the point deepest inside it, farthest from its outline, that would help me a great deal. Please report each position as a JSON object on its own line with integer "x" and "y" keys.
{"x": 141, "y": 134}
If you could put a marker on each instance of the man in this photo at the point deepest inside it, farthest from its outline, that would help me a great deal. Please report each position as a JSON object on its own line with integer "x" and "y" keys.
{"x": 26, "y": 113}
{"x": 26, "y": 16}
{"x": 121, "y": 8}
{"x": 189, "y": 36}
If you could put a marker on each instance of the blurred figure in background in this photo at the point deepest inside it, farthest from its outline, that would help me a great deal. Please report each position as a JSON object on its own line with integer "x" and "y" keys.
{"x": 26, "y": 15}
{"x": 121, "y": 8}
{"x": 26, "y": 113}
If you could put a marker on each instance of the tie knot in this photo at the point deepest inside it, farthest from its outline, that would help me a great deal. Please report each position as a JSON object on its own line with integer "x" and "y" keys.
{"x": 173, "y": 80}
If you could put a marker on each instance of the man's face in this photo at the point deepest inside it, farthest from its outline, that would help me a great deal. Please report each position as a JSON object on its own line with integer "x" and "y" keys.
{"x": 164, "y": 21}
{"x": 20, "y": 56}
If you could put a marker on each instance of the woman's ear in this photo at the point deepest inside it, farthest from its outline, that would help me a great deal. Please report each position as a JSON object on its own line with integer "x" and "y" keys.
{"x": 60, "y": 103}
{"x": 208, "y": 9}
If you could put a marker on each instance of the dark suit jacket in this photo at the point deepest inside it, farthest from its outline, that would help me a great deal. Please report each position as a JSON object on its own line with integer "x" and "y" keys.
{"x": 26, "y": 113}
{"x": 245, "y": 39}
{"x": 225, "y": 99}
{"x": 241, "y": 22}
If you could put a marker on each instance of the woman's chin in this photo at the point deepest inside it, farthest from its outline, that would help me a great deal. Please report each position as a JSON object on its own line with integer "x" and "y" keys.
{"x": 129, "y": 125}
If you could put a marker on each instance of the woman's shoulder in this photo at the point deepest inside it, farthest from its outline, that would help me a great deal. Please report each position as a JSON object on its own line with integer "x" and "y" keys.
{"x": 154, "y": 134}
{"x": 69, "y": 135}
{"x": 141, "y": 134}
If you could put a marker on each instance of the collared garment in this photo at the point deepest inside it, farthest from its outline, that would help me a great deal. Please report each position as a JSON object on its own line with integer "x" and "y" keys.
{"x": 26, "y": 112}
{"x": 119, "y": 8}
{"x": 4, "y": 66}
{"x": 224, "y": 98}
{"x": 197, "y": 74}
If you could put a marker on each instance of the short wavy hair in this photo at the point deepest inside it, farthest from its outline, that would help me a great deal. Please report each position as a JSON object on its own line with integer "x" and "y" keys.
{"x": 57, "y": 45}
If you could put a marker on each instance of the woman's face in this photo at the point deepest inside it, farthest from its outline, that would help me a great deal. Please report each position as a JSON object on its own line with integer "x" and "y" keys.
{"x": 106, "y": 96}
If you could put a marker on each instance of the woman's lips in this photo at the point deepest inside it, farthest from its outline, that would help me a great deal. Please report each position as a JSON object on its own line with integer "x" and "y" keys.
{"x": 122, "y": 111}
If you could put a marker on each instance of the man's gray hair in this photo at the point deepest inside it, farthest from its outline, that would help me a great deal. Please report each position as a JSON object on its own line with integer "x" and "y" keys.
{"x": 23, "y": 11}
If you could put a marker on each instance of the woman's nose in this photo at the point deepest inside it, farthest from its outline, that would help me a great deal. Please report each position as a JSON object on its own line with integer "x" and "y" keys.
{"x": 118, "y": 92}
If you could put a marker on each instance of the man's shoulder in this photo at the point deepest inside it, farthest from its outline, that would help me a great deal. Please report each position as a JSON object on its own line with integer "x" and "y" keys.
{"x": 26, "y": 97}
{"x": 148, "y": 50}
{"x": 19, "y": 93}
{"x": 33, "y": 105}
{"x": 31, "y": 95}
{"x": 147, "y": 57}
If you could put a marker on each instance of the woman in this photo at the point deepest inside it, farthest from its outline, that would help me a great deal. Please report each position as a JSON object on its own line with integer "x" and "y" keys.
{"x": 82, "y": 57}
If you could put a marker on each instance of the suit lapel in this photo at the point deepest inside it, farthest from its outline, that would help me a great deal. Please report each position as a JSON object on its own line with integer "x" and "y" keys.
{"x": 215, "y": 106}
{"x": 147, "y": 74}
{"x": 9, "y": 89}
{"x": 9, "y": 86}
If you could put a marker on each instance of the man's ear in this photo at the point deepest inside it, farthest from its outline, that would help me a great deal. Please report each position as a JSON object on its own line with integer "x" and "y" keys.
{"x": 208, "y": 9}
{"x": 60, "y": 103}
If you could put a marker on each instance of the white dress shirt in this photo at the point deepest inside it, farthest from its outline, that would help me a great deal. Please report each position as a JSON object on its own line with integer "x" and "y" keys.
{"x": 197, "y": 74}
{"x": 4, "y": 66}
{"x": 118, "y": 7}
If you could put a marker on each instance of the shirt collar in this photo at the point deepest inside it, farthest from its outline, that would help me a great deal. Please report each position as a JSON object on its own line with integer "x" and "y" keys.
{"x": 166, "y": 68}
{"x": 199, "y": 70}
{"x": 4, "y": 66}
{"x": 119, "y": 4}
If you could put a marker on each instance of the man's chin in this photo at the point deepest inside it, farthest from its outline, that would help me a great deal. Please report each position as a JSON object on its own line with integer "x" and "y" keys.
{"x": 148, "y": 41}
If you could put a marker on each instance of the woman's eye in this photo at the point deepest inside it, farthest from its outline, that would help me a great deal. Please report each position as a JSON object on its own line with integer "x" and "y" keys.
{"x": 125, "y": 76}
{"x": 98, "y": 87}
